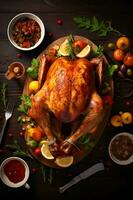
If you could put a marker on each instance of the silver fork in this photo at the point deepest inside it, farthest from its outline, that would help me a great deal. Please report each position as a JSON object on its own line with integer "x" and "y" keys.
{"x": 8, "y": 114}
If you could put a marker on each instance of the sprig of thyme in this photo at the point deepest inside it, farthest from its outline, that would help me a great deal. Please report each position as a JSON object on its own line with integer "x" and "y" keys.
{"x": 3, "y": 94}
{"x": 102, "y": 28}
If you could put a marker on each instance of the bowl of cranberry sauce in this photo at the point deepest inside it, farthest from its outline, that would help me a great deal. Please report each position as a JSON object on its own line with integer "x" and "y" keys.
{"x": 14, "y": 172}
{"x": 121, "y": 148}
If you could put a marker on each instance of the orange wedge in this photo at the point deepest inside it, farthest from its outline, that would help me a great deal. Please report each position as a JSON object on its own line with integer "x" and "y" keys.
{"x": 45, "y": 151}
{"x": 84, "y": 52}
{"x": 63, "y": 50}
{"x": 64, "y": 161}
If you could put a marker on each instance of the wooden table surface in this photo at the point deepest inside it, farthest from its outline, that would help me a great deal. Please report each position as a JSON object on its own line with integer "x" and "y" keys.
{"x": 115, "y": 180}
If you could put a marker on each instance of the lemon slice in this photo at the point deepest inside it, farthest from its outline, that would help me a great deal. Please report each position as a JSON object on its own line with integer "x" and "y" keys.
{"x": 84, "y": 52}
{"x": 63, "y": 50}
{"x": 64, "y": 161}
{"x": 45, "y": 151}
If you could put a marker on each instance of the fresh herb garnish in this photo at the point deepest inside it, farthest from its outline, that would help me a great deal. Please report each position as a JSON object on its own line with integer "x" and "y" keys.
{"x": 32, "y": 71}
{"x": 26, "y": 104}
{"x": 102, "y": 28}
{"x": 47, "y": 173}
{"x": 20, "y": 120}
{"x": 98, "y": 51}
{"x": 3, "y": 94}
{"x": 17, "y": 149}
{"x": 69, "y": 46}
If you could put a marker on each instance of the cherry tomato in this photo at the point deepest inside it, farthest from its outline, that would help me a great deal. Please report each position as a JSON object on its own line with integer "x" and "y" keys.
{"x": 123, "y": 43}
{"x": 118, "y": 54}
{"x": 128, "y": 59}
{"x": 37, "y": 151}
{"x": 26, "y": 44}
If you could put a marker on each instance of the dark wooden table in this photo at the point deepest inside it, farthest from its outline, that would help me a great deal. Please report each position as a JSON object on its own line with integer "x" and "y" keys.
{"x": 114, "y": 181}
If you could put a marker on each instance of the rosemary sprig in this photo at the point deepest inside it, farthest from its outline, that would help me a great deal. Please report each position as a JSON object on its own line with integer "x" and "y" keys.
{"x": 17, "y": 149}
{"x": 47, "y": 173}
{"x": 69, "y": 46}
{"x": 3, "y": 94}
{"x": 102, "y": 28}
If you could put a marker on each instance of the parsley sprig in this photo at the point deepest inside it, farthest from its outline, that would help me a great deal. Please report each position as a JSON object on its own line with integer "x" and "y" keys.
{"x": 102, "y": 28}
{"x": 98, "y": 52}
{"x": 25, "y": 105}
{"x": 32, "y": 71}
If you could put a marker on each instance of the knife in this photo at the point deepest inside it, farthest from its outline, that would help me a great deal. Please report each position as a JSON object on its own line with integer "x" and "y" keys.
{"x": 83, "y": 175}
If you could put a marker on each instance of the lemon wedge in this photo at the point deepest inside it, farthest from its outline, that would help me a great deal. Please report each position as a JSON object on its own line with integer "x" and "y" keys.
{"x": 63, "y": 50}
{"x": 64, "y": 161}
{"x": 84, "y": 52}
{"x": 45, "y": 151}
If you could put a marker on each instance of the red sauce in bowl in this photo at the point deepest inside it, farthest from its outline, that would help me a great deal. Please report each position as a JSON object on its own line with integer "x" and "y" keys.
{"x": 15, "y": 171}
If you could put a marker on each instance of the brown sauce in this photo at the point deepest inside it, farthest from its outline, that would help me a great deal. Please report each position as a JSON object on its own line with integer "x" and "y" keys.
{"x": 122, "y": 147}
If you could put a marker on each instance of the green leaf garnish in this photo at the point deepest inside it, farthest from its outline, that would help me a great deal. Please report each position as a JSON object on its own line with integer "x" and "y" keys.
{"x": 25, "y": 105}
{"x": 32, "y": 71}
{"x": 102, "y": 28}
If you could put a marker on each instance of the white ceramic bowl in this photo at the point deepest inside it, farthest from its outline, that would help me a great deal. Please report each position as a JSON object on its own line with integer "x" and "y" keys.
{"x": 112, "y": 156}
{"x": 20, "y": 16}
{"x": 5, "y": 179}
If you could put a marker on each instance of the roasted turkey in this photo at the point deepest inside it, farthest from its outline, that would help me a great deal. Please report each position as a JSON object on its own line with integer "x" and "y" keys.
{"x": 68, "y": 94}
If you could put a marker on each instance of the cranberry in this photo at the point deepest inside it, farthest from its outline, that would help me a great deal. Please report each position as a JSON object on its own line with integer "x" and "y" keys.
{"x": 59, "y": 21}
{"x": 10, "y": 135}
{"x": 19, "y": 55}
{"x": 50, "y": 34}
{"x": 34, "y": 170}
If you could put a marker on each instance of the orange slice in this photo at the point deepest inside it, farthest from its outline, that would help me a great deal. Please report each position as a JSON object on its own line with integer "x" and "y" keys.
{"x": 45, "y": 151}
{"x": 63, "y": 50}
{"x": 64, "y": 161}
{"x": 84, "y": 52}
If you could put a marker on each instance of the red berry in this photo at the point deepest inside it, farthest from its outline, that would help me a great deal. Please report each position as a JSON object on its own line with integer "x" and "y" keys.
{"x": 21, "y": 134}
{"x": 59, "y": 21}
{"x": 50, "y": 34}
{"x": 34, "y": 170}
{"x": 10, "y": 135}
{"x": 19, "y": 55}
{"x": 128, "y": 103}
